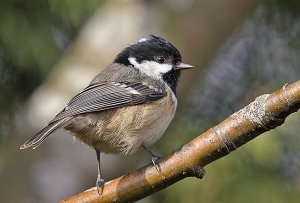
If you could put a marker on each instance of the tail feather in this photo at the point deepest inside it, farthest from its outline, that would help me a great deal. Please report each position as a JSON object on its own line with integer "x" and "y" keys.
{"x": 37, "y": 139}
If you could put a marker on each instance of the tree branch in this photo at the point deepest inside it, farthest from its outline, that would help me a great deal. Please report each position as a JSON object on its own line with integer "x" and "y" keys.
{"x": 267, "y": 112}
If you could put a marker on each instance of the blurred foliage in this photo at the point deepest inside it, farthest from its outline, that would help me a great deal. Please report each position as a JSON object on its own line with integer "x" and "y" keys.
{"x": 15, "y": 86}
{"x": 33, "y": 35}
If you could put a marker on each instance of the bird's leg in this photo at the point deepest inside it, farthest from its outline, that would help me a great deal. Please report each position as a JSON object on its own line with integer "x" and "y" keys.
{"x": 100, "y": 182}
{"x": 155, "y": 156}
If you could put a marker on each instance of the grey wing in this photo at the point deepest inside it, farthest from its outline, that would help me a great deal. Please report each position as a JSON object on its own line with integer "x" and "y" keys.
{"x": 99, "y": 97}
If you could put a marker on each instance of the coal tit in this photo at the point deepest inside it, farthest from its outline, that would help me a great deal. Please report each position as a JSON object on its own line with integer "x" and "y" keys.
{"x": 127, "y": 106}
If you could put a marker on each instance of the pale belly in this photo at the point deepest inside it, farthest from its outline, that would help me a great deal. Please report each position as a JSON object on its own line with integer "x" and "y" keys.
{"x": 124, "y": 130}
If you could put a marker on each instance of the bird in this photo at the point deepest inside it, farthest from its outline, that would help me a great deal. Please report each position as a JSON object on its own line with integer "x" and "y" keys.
{"x": 127, "y": 106}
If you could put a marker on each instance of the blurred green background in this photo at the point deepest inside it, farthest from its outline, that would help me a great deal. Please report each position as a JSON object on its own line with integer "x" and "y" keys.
{"x": 50, "y": 50}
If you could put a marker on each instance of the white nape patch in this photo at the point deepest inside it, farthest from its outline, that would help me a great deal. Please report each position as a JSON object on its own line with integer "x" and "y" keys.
{"x": 143, "y": 39}
{"x": 151, "y": 68}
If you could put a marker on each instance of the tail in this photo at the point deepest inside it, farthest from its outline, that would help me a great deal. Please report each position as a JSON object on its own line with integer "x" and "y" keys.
{"x": 36, "y": 140}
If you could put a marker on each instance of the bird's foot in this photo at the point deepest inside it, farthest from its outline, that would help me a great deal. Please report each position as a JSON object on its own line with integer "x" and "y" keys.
{"x": 155, "y": 156}
{"x": 100, "y": 185}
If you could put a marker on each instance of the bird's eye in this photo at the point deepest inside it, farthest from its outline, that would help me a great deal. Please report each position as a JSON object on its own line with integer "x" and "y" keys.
{"x": 160, "y": 59}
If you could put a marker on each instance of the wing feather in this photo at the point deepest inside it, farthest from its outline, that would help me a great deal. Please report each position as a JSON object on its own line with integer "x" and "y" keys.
{"x": 104, "y": 96}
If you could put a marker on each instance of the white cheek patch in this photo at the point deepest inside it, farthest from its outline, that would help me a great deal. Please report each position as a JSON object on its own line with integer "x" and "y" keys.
{"x": 151, "y": 68}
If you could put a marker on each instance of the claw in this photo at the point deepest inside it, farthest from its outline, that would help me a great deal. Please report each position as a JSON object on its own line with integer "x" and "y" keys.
{"x": 154, "y": 161}
{"x": 100, "y": 185}
{"x": 155, "y": 157}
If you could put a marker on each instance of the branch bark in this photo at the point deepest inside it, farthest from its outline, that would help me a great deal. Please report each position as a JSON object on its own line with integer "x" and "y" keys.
{"x": 265, "y": 113}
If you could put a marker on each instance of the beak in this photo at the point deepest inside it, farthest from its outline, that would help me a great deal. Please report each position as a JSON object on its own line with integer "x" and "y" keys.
{"x": 182, "y": 66}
